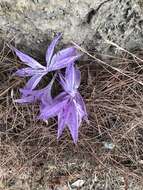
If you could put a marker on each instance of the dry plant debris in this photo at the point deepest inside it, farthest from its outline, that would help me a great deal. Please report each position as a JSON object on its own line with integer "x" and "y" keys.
{"x": 31, "y": 157}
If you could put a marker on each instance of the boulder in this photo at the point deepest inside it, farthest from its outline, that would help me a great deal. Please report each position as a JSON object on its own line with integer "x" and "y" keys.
{"x": 32, "y": 23}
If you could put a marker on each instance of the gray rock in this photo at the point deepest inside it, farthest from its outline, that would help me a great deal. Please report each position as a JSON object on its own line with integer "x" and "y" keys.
{"x": 32, "y": 23}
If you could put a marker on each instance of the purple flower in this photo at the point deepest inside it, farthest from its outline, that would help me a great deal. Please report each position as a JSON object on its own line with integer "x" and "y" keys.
{"x": 68, "y": 106}
{"x": 53, "y": 62}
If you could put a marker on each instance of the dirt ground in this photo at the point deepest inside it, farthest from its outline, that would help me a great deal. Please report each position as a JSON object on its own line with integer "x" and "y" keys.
{"x": 109, "y": 153}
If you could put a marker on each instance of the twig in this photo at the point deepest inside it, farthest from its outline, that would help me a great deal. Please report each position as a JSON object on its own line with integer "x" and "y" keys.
{"x": 104, "y": 63}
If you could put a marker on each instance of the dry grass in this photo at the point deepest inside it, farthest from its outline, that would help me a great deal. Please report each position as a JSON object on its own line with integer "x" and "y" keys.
{"x": 111, "y": 143}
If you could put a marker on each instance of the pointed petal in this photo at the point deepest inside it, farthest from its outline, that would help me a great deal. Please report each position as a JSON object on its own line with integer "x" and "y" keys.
{"x": 70, "y": 76}
{"x": 50, "y": 50}
{"x": 62, "y": 63}
{"x": 28, "y": 99}
{"x": 77, "y": 78}
{"x": 62, "y": 118}
{"x": 81, "y": 113}
{"x": 61, "y": 123}
{"x": 80, "y": 101}
{"x": 25, "y": 72}
{"x": 61, "y": 97}
{"x": 44, "y": 94}
{"x": 46, "y": 97}
{"x": 52, "y": 110}
{"x": 73, "y": 123}
{"x": 65, "y": 53}
{"x": 25, "y": 92}
{"x": 27, "y": 59}
{"x": 73, "y": 76}
{"x": 33, "y": 81}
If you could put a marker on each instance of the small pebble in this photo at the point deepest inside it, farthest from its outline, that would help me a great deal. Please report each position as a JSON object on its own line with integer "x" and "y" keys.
{"x": 78, "y": 183}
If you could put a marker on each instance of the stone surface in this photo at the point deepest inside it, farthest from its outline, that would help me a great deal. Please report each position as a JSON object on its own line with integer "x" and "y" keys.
{"x": 32, "y": 23}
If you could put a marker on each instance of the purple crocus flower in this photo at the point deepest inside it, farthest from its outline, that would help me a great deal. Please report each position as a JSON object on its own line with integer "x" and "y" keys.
{"x": 69, "y": 105}
{"x": 53, "y": 62}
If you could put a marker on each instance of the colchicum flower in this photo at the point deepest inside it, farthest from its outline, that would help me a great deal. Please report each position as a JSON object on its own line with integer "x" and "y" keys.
{"x": 69, "y": 105}
{"x": 54, "y": 62}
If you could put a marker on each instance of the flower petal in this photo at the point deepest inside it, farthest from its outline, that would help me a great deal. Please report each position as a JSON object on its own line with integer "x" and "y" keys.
{"x": 28, "y": 99}
{"x": 52, "y": 110}
{"x": 44, "y": 94}
{"x": 62, "y": 118}
{"x": 65, "y": 53}
{"x": 61, "y": 97}
{"x": 33, "y": 81}
{"x": 50, "y": 50}
{"x": 77, "y": 78}
{"x": 26, "y": 72}
{"x": 61, "y": 123}
{"x": 27, "y": 59}
{"x": 73, "y": 123}
{"x": 25, "y": 92}
{"x": 62, "y": 63}
{"x": 70, "y": 76}
{"x": 71, "y": 81}
{"x": 73, "y": 76}
{"x": 80, "y": 101}
{"x": 46, "y": 97}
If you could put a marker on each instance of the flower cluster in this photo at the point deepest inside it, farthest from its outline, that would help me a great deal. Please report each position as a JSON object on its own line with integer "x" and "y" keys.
{"x": 68, "y": 106}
